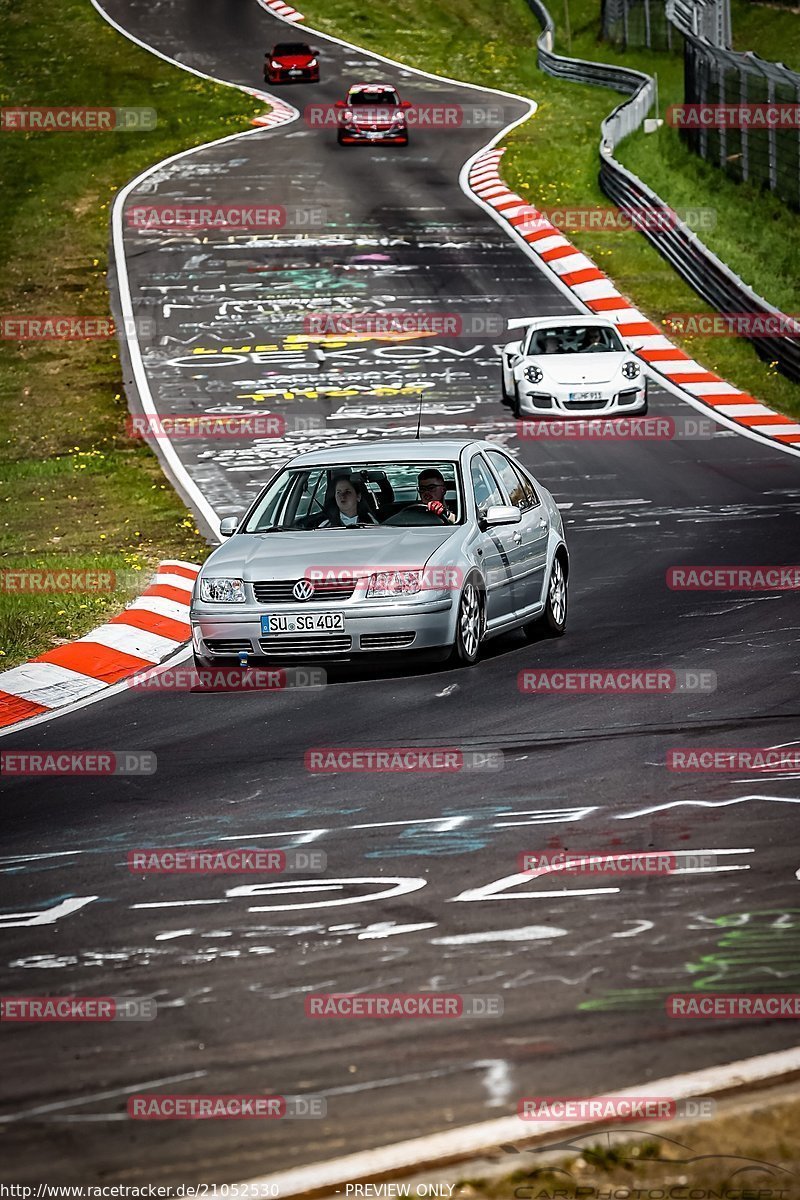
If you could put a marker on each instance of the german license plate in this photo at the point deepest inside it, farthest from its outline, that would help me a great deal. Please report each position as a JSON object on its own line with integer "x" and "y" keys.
{"x": 586, "y": 395}
{"x": 317, "y": 622}
{"x": 295, "y": 71}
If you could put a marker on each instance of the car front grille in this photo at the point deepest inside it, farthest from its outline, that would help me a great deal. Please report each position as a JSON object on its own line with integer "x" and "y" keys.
{"x": 584, "y": 405}
{"x": 279, "y": 591}
{"x": 386, "y": 641}
{"x": 229, "y": 645}
{"x": 322, "y": 647}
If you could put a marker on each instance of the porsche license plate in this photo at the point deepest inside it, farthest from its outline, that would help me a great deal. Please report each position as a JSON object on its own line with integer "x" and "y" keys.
{"x": 586, "y": 395}
{"x": 318, "y": 622}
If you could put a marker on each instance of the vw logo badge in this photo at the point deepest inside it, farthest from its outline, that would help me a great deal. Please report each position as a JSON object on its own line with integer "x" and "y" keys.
{"x": 303, "y": 590}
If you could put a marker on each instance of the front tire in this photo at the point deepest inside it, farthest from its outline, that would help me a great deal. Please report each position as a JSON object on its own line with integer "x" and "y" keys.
{"x": 553, "y": 621}
{"x": 469, "y": 626}
{"x": 507, "y": 397}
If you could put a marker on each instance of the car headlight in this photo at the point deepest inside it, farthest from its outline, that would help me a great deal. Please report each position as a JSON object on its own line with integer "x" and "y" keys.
{"x": 630, "y": 369}
{"x": 533, "y": 374}
{"x": 313, "y": 63}
{"x": 222, "y": 591}
{"x": 347, "y": 115}
{"x": 276, "y": 66}
{"x": 395, "y": 583}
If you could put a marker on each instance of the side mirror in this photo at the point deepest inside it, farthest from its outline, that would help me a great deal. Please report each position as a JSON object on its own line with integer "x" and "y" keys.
{"x": 502, "y": 514}
{"x": 229, "y": 525}
{"x": 406, "y": 104}
{"x": 314, "y": 50}
{"x": 340, "y": 104}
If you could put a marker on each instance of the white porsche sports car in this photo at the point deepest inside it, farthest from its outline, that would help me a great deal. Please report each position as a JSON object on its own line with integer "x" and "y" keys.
{"x": 571, "y": 366}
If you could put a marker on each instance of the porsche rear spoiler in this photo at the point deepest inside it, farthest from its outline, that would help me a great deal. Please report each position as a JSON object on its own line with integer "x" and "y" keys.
{"x": 520, "y": 322}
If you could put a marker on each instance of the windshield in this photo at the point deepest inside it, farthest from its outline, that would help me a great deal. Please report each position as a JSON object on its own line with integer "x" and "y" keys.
{"x": 358, "y": 496}
{"x": 574, "y": 339}
{"x": 378, "y": 96}
{"x": 290, "y": 48}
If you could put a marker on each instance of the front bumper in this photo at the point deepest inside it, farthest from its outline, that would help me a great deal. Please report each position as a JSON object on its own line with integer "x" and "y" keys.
{"x": 306, "y": 75}
{"x": 536, "y": 401}
{"x": 369, "y": 629}
{"x": 353, "y": 136}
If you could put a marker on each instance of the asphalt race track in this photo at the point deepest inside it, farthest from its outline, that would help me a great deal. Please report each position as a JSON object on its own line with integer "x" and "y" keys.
{"x": 405, "y": 905}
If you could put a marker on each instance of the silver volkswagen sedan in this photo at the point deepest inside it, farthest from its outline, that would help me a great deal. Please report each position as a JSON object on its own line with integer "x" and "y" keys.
{"x": 384, "y": 548}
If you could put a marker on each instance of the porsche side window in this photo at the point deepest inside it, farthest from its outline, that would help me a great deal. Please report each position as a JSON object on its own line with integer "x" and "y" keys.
{"x": 484, "y": 486}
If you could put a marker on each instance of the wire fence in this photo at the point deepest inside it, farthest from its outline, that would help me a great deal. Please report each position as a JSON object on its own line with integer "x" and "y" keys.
{"x": 638, "y": 23}
{"x": 679, "y": 245}
{"x": 767, "y": 155}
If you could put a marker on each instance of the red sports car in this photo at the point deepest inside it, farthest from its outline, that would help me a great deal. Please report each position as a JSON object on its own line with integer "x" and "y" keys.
{"x": 372, "y": 112}
{"x": 291, "y": 62}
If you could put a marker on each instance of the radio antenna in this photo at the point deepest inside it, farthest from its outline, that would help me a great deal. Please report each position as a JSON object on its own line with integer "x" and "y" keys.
{"x": 419, "y": 414}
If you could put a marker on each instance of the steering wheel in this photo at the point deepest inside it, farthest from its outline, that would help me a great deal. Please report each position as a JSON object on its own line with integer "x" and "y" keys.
{"x": 418, "y": 510}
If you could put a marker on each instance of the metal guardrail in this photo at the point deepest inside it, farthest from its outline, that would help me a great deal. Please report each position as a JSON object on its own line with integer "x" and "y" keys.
{"x": 677, "y": 243}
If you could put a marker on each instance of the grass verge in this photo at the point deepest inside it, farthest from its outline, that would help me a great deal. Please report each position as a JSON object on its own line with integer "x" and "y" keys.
{"x": 552, "y": 159}
{"x": 76, "y": 491}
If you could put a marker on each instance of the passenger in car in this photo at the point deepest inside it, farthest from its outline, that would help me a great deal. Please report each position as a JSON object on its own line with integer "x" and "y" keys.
{"x": 352, "y": 507}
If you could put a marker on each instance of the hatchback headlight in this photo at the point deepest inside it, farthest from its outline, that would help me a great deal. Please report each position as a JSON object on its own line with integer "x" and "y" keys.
{"x": 276, "y": 66}
{"x": 222, "y": 591}
{"x": 630, "y": 369}
{"x": 533, "y": 374}
{"x": 395, "y": 583}
{"x": 312, "y": 63}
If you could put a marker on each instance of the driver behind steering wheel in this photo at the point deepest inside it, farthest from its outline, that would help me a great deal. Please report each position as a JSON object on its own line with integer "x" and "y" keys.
{"x": 432, "y": 488}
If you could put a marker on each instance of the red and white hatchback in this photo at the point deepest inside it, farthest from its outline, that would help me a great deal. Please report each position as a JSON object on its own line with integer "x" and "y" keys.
{"x": 372, "y": 112}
